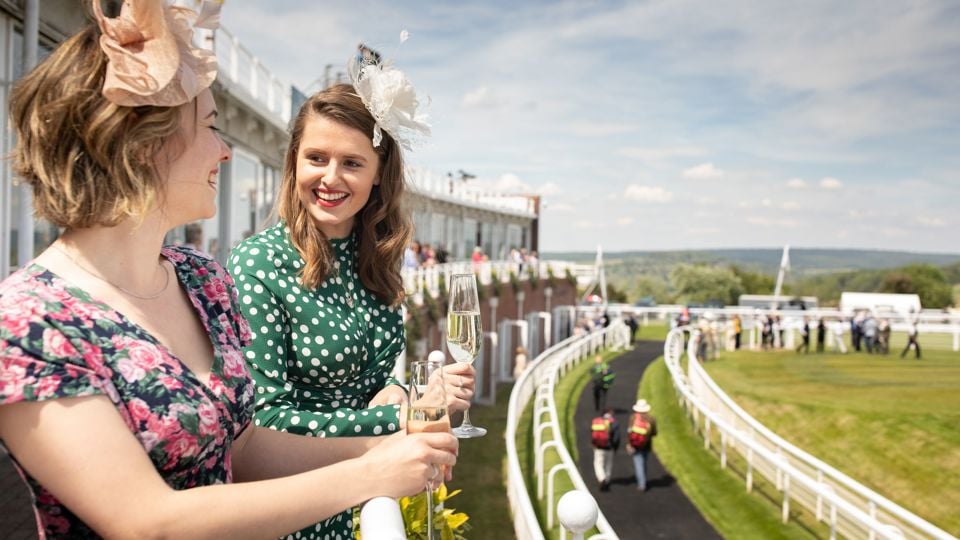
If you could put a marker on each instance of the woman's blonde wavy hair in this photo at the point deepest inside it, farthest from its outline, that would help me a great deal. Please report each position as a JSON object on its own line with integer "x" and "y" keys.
{"x": 382, "y": 227}
{"x": 90, "y": 162}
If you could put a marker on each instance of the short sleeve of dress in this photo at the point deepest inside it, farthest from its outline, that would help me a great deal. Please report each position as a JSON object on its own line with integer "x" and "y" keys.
{"x": 38, "y": 362}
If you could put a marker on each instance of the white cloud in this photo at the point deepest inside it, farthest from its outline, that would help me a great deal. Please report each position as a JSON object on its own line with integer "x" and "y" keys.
{"x": 767, "y": 203}
{"x": 830, "y": 183}
{"x": 796, "y": 183}
{"x": 652, "y": 194}
{"x": 790, "y": 205}
{"x": 704, "y": 171}
{"x": 930, "y": 221}
{"x": 549, "y": 189}
{"x": 624, "y": 221}
{"x": 661, "y": 153}
{"x": 481, "y": 97}
{"x": 772, "y": 222}
{"x": 586, "y": 224}
{"x": 704, "y": 230}
{"x": 600, "y": 129}
{"x": 557, "y": 207}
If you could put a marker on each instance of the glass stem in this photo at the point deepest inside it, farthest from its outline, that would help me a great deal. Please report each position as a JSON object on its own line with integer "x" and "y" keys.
{"x": 466, "y": 419}
{"x": 430, "y": 535}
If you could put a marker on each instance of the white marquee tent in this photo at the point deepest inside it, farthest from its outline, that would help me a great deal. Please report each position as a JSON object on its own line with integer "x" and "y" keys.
{"x": 904, "y": 305}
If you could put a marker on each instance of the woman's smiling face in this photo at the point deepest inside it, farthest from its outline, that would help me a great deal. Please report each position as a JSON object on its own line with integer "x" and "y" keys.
{"x": 337, "y": 168}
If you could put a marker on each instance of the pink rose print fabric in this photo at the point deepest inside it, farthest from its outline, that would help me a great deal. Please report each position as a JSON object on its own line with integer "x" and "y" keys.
{"x": 57, "y": 342}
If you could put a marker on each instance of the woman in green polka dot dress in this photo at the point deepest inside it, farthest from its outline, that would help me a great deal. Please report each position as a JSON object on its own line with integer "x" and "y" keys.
{"x": 321, "y": 289}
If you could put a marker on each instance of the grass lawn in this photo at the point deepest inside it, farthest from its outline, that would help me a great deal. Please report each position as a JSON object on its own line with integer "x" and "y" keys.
{"x": 888, "y": 423}
{"x": 480, "y": 473}
{"x": 719, "y": 495}
{"x": 654, "y": 331}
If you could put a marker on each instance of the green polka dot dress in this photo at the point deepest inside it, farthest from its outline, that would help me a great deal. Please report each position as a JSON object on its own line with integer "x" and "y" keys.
{"x": 317, "y": 356}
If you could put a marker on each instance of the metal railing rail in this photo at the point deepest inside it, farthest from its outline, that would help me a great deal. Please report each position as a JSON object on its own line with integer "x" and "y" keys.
{"x": 538, "y": 383}
{"x": 855, "y": 511}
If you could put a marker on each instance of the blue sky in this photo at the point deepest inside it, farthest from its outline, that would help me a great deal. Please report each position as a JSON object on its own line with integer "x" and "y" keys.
{"x": 671, "y": 124}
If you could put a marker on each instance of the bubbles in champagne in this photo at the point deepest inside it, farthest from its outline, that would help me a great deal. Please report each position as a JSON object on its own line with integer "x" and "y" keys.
{"x": 464, "y": 335}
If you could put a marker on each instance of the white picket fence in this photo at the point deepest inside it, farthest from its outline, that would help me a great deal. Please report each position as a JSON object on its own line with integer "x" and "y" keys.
{"x": 537, "y": 384}
{"x": 849, "y": 509}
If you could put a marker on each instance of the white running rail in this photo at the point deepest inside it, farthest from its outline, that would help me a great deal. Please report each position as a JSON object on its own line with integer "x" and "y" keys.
{"x": 416, "y": 280}
{"x": 537, "y": 383}
{"x": 848, "y": 508}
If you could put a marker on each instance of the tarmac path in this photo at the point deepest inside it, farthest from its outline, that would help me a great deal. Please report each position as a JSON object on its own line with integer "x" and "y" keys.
{"x": 663, "y": 511}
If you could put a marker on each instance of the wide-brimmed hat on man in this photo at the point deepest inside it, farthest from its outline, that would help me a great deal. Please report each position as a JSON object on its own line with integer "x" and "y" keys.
{"x": 641, "y": 406}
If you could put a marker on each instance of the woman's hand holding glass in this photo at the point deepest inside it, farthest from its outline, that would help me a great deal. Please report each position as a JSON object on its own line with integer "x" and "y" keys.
{"x": 404, "y": 464}
{"x": 427, "y": 414}
{"x": 460, "y": 379}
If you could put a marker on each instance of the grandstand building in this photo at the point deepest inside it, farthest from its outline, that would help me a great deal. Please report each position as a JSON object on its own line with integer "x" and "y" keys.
{"x": 255, "y": 109}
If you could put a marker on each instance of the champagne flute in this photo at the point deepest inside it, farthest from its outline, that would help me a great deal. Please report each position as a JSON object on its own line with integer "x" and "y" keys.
{"x": 427, "y": 413}
{"x": 464, "y": 336}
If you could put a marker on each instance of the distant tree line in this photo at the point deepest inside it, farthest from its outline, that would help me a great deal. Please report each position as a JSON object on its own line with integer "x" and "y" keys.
{"x": 723, "y": 284}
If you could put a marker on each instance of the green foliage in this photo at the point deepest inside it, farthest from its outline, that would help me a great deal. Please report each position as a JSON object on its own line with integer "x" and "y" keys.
{"x": 532, "y": 278}
{"x": 754, "y": 282}
{"x": 514, "y": 282}
{"x": 701, "y": 284}
{"x": 615, "y": 295}
{"x": 495, "y": 283}
{"x": 481, "y": 290}
{"x": 414, "y": 325}
{"x": 444, "y": 297}
{"x": 451, "y": 524}
{"x": 925, "y": 280}
{"x": 649, "y": 286}
{"x": 571, "y": 279}
{"x": 551, "y": 277}
{"x": 433, "y": 309}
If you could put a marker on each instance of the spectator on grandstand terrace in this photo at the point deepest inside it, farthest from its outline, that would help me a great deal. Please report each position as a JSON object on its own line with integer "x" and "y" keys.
{"x": 411, "y": 256}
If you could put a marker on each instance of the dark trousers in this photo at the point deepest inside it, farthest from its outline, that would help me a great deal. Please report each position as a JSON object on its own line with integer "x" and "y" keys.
{"x": 819, "y": 343}
{"x": 911, "y": 343}
{"x": 599, "y": 397}
{"x": 736, "y": 341}
{"x": 805, "y": 345}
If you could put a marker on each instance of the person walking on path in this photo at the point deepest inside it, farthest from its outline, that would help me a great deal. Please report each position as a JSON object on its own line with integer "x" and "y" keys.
{"x": 737, "y": 331}
{"x": 643, "y": 428}
{"x": 603, "y": 378}
{"x": 912, "y": 340}
{"x": 605, "y": 436}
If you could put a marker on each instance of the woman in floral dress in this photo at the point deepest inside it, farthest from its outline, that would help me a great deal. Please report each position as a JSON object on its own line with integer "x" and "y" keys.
{"x": 124, "y": 398}
{"x": 322, "y": 288}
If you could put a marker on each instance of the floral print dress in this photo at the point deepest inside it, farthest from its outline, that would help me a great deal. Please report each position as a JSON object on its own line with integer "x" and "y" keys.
{"x": 317, "y": 356}
{"x": 58, "y": 342}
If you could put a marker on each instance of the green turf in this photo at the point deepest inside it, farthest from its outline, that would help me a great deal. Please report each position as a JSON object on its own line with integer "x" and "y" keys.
{"x": 480, "y": 473}
{"x": 654, "y": 331}
{"x": 889, "y": 423}
{"x": 719, "y": 494}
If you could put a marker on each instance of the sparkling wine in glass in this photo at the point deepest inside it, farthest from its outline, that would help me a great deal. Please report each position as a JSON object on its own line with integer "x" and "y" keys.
{"x": 464, "y": 335}
{"x": 427, "y": 413}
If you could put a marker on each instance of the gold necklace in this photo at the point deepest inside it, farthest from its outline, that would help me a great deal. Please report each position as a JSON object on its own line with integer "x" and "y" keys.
{"x": 343, "y": 285}
{"x": 152, "y": 296}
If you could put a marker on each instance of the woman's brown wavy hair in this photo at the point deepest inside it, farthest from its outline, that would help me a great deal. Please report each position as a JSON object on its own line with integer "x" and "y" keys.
{"x": 90, "y": 162}
{"x": 382, "y": 227}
